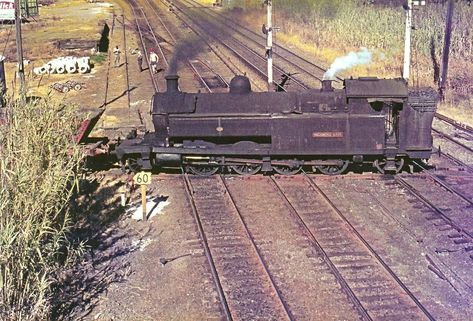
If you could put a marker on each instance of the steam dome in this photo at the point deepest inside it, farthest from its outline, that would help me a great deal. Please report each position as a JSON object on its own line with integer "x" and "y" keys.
{"x": 240, "y": 85}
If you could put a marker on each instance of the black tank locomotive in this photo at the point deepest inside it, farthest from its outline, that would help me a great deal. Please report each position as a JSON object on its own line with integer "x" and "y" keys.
{"x": 369, "y": 121}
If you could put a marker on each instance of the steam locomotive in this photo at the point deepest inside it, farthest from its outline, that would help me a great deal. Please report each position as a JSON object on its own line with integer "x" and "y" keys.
{"x": 371, "y": 121}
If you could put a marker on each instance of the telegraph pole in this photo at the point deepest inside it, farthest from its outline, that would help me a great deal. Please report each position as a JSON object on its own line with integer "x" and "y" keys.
{"x": 269, "y": 42}
{"x": 446, "y": 49}
{"x": 407, "y": 39}
{"x": 19, "y": 46}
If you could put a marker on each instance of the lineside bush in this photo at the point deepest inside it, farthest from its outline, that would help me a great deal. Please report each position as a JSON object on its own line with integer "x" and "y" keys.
{"x": 38, "y": 171}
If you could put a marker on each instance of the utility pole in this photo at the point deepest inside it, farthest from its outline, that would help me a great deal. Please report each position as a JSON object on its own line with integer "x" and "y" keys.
{"x": 269, "y": 42}
{"x": 446, "y": 50}
{"x": 407, "y": 41}
{"x": 19, "y": 46}
{"x": 407, "y": 38}
{"x": 3, "y": 84}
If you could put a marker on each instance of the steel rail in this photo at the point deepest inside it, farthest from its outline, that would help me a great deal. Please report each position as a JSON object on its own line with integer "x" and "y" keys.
{"x": 454, "y": 123}
{"x": 234, "y": 51}
{"x": 150, "y": 4}
{"x": 317, "y": 189}
{"x": 154, "y": 37}
{"x": 257, "y": 251}
{"x": 201, "y": 78}
{"x": 208, "y": 254}
{"x": 253, "y": 52}
{"x": 143, "y": 45}
{"x": 432, "y": 206}
{"x": 341, "y": 280}
{"x": 213, "y": 48}
{"x": 449, "y": 188}
{"x": 456, "y": 161}
{"x": 453, "y": 140}
{"x": 196, "y": 72}
{"x": 238, "y": 28}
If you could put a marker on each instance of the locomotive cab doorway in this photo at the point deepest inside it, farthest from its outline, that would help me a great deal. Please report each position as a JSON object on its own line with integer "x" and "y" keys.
{"x": 391, "y": 110}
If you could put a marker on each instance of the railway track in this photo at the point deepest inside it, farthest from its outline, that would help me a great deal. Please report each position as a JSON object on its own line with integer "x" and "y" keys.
{"x": 240, "y": 248}
{"x": 456, "y": 215}
{"x": 292, "y": 59}
{"x": 213, "y": 48}
{"x": 145, "y": 31}
{"x": 455, "y": 138}
{"x": 456, "y": 161}
{"x": 454, "y": 123}
{"x": 193, "y": 62}
{"x": 209, "y": 78}
{"x": 246, "y": 287}
{"x": 379, "y": 290}
{"x": 251, "y": 57}
{"x": 450, "y": 138}
{"x": 172, "y": 39}
{"x": 244, "y": 43}
{"x": 419, "y": 245}
{"x": 119, "y": 24}
{"x": 435, "y": 178}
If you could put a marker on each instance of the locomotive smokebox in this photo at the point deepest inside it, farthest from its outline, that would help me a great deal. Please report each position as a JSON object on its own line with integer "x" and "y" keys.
{"x": 172, "y": 83}
{"x": 327, "y": 85}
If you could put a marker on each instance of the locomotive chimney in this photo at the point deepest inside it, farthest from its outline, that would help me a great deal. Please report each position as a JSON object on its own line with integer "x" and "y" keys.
{"x": 327, "y": 85}
{"x": 172, "y": 83}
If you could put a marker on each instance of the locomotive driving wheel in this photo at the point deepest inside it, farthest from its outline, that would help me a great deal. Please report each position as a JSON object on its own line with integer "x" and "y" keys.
{"x": 380, "y": 165}
{"x": 132, "y": 164}
{"x": 287, "y": 169}
{"x": 332, "y": 169}
{"x": 202, "y": 170}
{"x": 247, "y": 169}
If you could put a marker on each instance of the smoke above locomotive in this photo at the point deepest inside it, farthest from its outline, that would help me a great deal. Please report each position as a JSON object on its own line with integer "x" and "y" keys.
{"x": 352, "y": 59}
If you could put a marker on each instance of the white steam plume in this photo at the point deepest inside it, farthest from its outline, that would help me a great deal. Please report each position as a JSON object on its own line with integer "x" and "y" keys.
{"x": 352, "y": 59}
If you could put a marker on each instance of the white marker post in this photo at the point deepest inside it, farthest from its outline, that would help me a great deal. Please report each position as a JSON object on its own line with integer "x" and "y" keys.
{"x": 143, "y": 179}
{"x": 269, "y": 42}
{"x": 407, "y": 38}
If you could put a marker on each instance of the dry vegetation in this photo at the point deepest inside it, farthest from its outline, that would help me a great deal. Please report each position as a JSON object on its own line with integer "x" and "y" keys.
{"x": 38, "y": 172}
{"x": 330, "y": 28}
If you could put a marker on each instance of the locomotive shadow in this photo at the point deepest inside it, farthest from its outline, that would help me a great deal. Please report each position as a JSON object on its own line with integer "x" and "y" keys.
{"x": 96, "y": 212}
{"x": 102, "y": 162}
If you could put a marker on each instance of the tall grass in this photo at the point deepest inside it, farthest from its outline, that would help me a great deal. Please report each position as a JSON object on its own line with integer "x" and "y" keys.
{"x": 330, "y": 28}
{"x": 38, "y": 171}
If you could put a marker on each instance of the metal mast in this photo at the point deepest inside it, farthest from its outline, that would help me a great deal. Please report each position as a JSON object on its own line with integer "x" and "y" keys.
{"x": 407, "y": 38}
{"x": 19, "y": 46}
{"x": 269, "y": 42}
{"x": 407, "y": 41}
